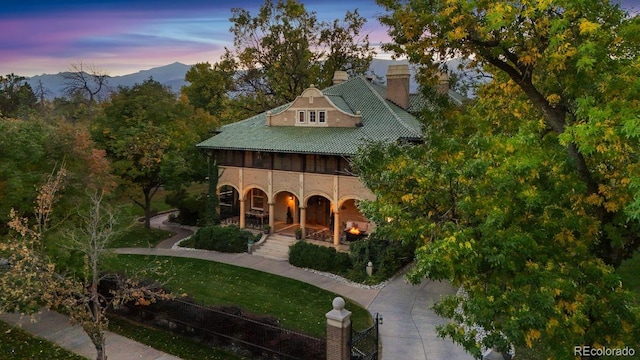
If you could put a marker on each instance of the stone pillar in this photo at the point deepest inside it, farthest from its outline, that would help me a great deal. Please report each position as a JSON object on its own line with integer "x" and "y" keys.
{"x": 303, "y": 220}
{"x": 272, "y": 220}
{"x": 338, "y": 331}
{"x": 242, "y": 205}
{"x": 336, "y": 228}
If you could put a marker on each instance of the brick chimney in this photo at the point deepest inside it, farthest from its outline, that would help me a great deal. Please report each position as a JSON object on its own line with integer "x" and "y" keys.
{"x": 443, "y": 83}
{"x": 398, "y": 85}
{"x": 340, "y": 77}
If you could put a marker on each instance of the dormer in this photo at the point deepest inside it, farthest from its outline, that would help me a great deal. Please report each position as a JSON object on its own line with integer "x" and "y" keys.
{"x": 313, "y": 109}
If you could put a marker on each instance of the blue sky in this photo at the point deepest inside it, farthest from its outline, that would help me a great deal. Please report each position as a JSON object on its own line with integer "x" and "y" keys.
{"x": 124, "y": 36}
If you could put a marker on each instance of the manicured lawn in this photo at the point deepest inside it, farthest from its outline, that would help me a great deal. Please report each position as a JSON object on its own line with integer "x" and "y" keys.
{"x": 17, "y": 344}
{"x": 138, "y": 236}
{"x": 168, "y": 342}
{"x": 298, "y": 306}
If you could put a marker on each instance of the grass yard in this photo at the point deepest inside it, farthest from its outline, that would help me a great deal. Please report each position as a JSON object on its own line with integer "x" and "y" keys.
{"x": 138, "y": 236}
{"x": 298, "y": 306}
{"x": 167, "y": 342}
{"x": 18, "y": 344}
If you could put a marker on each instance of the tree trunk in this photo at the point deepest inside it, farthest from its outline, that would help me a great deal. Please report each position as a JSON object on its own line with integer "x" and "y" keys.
{"x": 147, "y": 208}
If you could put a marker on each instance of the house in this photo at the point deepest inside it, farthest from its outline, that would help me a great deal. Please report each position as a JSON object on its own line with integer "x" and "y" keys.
{"x": 289, "y": 167}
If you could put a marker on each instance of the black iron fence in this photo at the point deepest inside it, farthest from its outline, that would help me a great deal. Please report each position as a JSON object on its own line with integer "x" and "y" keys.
{"x": 257, "y": 336}
{"x": 365, "y": 343}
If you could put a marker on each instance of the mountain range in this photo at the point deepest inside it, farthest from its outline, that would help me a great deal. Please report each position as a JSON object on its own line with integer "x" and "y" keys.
{"x": 171, "y": 75}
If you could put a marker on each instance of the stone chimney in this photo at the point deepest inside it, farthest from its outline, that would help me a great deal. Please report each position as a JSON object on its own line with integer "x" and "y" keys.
{"x": 340, "y": 77}
{"x": 443, "y": 83}
{"x": 398, "y": 85}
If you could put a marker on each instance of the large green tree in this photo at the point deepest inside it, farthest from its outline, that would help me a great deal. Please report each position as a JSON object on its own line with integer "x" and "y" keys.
{"x": 527, "y": 198}
{"x": 149, "y": 135}
{"x": 30, "y": 150}
{"x": 284, "y": 49}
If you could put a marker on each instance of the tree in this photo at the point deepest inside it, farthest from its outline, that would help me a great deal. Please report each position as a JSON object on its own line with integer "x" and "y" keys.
{"x": 210, "y": 87}
{"x": 28, "y": 152}
{"x": 16, "y": 96}
{"x": 284, "y": 49}
{"x": 148, "y": 135}
{"x": 89, "y": 81}
{"x": 527, "y": 199}
{"x": 31, "y": 280}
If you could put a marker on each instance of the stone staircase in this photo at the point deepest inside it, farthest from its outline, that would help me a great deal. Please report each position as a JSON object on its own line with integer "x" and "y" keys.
{"x": 275, "y": 247}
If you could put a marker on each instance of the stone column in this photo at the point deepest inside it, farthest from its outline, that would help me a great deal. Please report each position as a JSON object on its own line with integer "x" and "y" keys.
{"x": 272, "y": 220}
{"x": 303, "y": 220}
{"x": 336, "y": 228}
{"x": 242, "y": 205}
{"x": 338, "y": 331}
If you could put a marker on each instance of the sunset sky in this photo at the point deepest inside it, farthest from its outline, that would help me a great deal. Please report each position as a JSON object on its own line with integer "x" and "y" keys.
{"x": 125, "y": 36}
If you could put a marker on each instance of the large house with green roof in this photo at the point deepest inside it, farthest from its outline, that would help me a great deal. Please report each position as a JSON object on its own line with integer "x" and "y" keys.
{"x": 289, "y": 167}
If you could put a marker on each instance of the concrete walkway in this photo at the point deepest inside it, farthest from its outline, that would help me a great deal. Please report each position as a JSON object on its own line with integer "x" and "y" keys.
{"x": 56, "y": 328}
{"x": 408, "y": 331}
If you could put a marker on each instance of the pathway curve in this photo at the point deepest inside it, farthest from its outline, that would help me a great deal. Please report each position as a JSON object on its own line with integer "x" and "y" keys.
{"x": 408, "y": 330}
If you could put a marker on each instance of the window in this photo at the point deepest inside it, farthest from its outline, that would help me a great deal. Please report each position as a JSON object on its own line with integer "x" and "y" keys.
{"x": 301, "y": 118}
{"x": 257, "y": 199}
{"x": 312, "y": 117}
{"x": 322, "y": 117}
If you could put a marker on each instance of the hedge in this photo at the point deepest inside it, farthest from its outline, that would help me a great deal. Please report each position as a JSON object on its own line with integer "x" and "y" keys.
{"x": 229, "y": 239}
{"x": 320, "y": 258}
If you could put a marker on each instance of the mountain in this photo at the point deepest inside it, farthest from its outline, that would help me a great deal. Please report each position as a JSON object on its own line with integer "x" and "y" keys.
{"x": 171, "y": 75}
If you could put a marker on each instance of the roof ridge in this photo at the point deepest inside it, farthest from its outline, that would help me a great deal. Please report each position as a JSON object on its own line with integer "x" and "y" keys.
{"x": 384, "y": 101}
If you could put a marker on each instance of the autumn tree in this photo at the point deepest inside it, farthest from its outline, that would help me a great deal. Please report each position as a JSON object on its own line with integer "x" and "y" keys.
{"x": 284, "y": 48}
{"x": 527, "y": 199}
{"x": 32, "y": 280}
{"x": 28, "y": 152}
{"x": 149, "y": 136}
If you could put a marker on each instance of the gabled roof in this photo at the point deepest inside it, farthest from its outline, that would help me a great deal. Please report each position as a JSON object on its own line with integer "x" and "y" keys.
{"x": 381, "y": 121}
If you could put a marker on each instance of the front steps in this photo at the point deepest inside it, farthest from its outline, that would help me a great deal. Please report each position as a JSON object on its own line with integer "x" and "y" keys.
{"x": 275, "y": 247}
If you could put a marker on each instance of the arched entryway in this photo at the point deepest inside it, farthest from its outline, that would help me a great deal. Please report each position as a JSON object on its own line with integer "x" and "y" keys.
{"x": 318, "y": 211}
{"x": 352, "y": 224}
{"x": 286, "y": 213}
{"x": 255, "y": 212}
{"x": 229, "y": 202}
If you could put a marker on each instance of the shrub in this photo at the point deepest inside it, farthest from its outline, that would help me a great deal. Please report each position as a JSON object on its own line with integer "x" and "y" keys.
{"x": 388, "y": 257}
{"x": 191, "y": 207}
{"x": 229, "y": 239}
{"x": 320, "y": 258}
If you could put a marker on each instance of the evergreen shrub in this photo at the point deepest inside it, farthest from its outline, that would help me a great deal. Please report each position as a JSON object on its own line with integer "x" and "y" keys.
{"x": 387, "y": 257}
{"x": 229, "y": 239}
{"x": 191, "y": 207}
{"x": 320, "y": 258}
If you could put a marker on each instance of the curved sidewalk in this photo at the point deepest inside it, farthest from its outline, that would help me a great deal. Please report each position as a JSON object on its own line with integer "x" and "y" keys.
{"x": 56, "y": 328}
{"x": 408, "y": 331}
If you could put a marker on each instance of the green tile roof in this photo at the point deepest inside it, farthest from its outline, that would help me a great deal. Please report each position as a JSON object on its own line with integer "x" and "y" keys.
{"x": 381, "y": 121}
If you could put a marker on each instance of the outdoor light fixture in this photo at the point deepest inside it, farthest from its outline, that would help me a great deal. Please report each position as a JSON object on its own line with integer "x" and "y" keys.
{"x": 379, "y": 318}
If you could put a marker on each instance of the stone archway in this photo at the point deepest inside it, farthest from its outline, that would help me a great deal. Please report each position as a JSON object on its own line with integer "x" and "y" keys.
{"x": 229, "y": 203}
{"x": 318, "y": 211}
{"x": 254, "y": 208}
